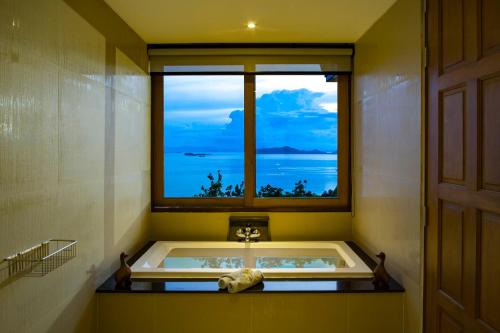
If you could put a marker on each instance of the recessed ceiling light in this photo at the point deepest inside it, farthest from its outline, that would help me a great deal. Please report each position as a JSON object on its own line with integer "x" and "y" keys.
{"x": 251, "y": 25}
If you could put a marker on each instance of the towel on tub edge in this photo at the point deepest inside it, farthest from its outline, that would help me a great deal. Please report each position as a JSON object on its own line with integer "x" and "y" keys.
{"x": 240, "y": 280}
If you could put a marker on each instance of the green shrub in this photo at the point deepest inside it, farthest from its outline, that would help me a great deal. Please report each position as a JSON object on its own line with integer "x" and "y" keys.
{"x": 214, "y": 190}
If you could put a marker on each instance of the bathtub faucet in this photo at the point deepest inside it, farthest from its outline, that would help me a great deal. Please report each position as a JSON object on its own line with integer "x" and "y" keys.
{"x": 249, "y": 234}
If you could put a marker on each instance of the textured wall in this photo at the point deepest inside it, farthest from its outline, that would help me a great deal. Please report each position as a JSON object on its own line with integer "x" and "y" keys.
{"x": 74, "y": 158}
{"x": 251, "y": 313}
{"x": 283, "y": 226}
{"x": 387, "y": 147}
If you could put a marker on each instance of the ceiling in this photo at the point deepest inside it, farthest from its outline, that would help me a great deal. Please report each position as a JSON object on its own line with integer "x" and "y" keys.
{"x": 224, "y": 21}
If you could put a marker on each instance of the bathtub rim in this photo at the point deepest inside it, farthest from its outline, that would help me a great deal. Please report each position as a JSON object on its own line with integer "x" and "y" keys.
{"x": 357, "y": 266}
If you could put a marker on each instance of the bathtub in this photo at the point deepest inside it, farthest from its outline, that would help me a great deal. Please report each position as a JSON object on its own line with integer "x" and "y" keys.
{"x": 208, "y": 260}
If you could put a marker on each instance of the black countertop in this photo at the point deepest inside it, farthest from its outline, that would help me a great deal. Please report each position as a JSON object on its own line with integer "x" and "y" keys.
{"x": 351, "y": 285}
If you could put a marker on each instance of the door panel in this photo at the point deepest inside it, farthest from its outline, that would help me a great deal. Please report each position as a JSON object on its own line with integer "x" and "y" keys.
{"x": 490, "y": 26}
{"x": 462, "y": 275}
{"x": 448, "y": 325}
{"x": 452, "y": 135}
{"x": 489, "y": 301}
{"x": 452, "y": 33}
{"x": 451, "y": 256}
{"x": 490, "y": 100}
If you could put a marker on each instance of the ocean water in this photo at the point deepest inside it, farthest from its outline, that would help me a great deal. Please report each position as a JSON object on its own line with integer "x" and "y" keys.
{"x": 184, "y": 175}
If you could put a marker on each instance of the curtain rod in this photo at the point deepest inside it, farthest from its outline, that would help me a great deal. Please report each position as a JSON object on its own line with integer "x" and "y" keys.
{"x": 251, "y": 45}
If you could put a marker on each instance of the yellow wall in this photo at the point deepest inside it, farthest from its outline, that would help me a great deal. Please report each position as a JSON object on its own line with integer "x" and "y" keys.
{"x": 252, "y": 313}
{"x": 74, "y": 155}
{"x": 283, "y": 226}
{"x": 387, "y": 147}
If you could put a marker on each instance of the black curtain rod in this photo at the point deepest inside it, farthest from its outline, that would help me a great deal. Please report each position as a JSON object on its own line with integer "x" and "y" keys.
{"x": 253, "y": 73}
{"x": 252, "y": 45}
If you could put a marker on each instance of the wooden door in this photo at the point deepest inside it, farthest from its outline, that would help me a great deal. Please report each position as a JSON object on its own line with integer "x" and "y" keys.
{"x": 463, "y": 167}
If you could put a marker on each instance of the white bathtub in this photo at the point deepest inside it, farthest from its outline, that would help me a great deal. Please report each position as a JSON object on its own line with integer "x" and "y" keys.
{"x": 274, "y": 259}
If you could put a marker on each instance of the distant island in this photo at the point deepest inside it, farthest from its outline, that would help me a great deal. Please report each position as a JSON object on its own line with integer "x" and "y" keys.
{"x": 195, "y": 154}
{"x": 288, "y": 150}
{"x": 274, "y": 150}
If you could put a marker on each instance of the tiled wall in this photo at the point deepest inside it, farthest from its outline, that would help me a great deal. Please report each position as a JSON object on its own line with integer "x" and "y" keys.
{"x": 387, "y": 162}
{"x": 251, "y": 313}
{"x": 282, "y": 226}
{"x": 74, "y": 157}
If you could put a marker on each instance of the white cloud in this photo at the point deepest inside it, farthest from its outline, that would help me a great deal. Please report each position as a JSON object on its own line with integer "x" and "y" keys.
{"x": 330, "y": 107}
{"x": 316, "y": 83}
{"x": 204, "y": 116}
{"x": 209, "y": 99}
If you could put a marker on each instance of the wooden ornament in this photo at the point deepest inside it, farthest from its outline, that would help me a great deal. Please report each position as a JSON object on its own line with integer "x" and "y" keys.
{"x": 122, "y": 275}
{"x": 381, "y": 277}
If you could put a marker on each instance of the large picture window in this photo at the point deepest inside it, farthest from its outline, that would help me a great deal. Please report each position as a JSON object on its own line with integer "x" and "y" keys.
{"x": 203, "y": 135}
{"x": 224, "y": 140}
{"x": 296, "y": 136}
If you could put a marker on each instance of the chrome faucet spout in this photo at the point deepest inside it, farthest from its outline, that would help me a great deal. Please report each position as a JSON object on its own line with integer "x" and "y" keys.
{"x": 248, "y": 235}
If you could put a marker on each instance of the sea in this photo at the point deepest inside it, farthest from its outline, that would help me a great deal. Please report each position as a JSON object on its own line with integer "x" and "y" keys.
{"x": 184, "y": 175}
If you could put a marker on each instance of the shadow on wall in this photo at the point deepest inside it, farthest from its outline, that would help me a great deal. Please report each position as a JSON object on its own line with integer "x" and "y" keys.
{"x": 123, "y": 227}
{"x": 85, "y": 311}
{"x": 126, "y": 210}
{"x": 137, "y": 233}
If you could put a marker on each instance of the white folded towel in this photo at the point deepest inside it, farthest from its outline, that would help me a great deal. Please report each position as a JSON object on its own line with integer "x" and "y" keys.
{"x": 240, "y": 280}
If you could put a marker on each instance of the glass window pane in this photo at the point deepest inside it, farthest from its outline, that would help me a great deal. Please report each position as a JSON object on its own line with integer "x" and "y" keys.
{"x": 203, "y": 141}
{"x": 296, "y": 136}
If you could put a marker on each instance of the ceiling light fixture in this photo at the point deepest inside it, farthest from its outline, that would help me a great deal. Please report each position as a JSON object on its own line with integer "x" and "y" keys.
{"x": 251, "y": 25}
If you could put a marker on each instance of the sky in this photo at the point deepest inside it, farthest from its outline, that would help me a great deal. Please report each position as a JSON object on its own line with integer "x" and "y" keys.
{"x": 205, "y": 113}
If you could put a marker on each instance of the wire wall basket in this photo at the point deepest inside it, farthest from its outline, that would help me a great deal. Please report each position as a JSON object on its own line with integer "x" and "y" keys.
{"x": 38, "y": 260}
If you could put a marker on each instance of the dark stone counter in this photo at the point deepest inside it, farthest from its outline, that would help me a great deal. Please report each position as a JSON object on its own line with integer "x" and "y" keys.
{"x": 352, "y": 285}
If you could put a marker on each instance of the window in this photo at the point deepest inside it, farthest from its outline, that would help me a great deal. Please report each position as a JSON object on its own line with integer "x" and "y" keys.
{"x": 226, "y": 139}
{"x": 203, "y": 135}
{"x": 296, "y": 136}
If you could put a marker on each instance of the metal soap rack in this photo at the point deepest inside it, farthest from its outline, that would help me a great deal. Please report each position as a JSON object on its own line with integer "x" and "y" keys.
{"x": 38, "y": 260}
